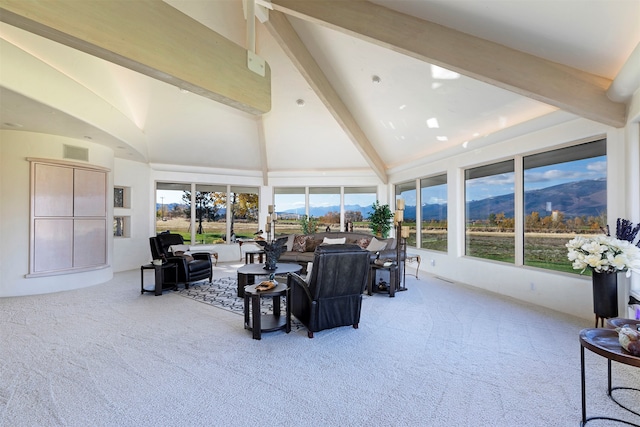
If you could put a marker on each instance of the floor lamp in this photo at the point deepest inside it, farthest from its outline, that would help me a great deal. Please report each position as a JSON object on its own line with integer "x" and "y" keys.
{"x": 402, "y": 233}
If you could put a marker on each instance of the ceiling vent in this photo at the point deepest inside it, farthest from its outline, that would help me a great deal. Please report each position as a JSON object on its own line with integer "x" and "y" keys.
{"x": 76, "y": 153}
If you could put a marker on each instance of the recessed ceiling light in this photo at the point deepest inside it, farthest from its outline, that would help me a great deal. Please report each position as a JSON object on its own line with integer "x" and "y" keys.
{"x": 300, "y": 102}
{"x": 403, "y": 106}
{"x": 376, "y": 79}
{"x": 442, "y": 138}
{"x": 433, "y": 123}
{"x": 465, "y": 144}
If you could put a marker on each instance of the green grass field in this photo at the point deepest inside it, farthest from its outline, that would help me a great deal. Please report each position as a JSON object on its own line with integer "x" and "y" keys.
{"x": 542, "y": 250}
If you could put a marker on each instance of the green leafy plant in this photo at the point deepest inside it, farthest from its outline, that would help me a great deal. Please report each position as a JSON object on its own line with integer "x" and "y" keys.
{"x": 380, "y": 219}
{"x": 309, "y": 224}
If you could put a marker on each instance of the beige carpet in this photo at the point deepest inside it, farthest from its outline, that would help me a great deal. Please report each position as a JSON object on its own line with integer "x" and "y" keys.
{"x": 437, "y": 355}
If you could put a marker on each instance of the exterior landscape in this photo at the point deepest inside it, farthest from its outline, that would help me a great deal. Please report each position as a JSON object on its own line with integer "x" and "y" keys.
{"x": 553, "y": 215}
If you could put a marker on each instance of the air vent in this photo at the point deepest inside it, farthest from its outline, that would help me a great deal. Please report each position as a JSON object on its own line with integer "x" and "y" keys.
{"x": 76, "y": 153}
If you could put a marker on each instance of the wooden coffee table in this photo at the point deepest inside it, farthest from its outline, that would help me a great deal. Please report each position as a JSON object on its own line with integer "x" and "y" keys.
{"x": 247, "y": 273}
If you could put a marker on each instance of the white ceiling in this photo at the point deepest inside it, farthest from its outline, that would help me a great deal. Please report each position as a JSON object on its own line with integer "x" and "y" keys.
{"x": 184, "y": 129}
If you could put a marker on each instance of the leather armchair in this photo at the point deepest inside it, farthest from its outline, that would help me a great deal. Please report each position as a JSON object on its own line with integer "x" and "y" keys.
{"x": 333, "y": 295}
{"x": 190, "y": 269}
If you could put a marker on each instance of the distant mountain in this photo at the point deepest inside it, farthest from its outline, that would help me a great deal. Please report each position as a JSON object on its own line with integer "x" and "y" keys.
{"x": 588, "y": 198}
{"x": 323, "y": 210}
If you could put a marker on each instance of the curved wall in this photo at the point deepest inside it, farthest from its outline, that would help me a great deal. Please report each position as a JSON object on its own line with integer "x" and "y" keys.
{"x": 15, "y": 148}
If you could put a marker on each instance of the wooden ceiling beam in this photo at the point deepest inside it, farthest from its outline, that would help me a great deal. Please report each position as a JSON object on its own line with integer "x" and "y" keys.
{"x": 280, "y": 28}
{"x": 567, "y": 88}
{"x": 152, "y": 38}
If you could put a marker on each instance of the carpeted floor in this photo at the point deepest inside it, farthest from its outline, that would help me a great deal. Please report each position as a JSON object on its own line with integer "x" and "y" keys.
{"x": 439, "y": 355}
{"x": 223, "y": 293}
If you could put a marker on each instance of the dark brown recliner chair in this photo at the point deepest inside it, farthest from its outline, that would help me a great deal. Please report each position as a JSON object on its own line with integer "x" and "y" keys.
{"x": 190, "y": 269}
{"x": 333, "y": 296}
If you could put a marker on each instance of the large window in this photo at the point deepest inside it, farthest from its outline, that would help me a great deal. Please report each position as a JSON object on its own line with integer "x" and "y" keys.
{"x": 433, "y": 197}
{"x": 407, "y": 191}
{"x": 174, "y": 210}
{"x": 244, "y": 207}
{"x": 356, "y": 202}
{"x": 290, "y": 206}
{"x": 171, "y": 209}
{"x": 324, "y": 204}
{"x": 565, "y": 193}
{"x": 489, "y": 198}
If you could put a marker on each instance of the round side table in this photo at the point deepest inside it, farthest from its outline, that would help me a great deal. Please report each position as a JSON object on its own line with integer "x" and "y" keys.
{"x": 257, "y": 322}
{"x": 604, "y": 342}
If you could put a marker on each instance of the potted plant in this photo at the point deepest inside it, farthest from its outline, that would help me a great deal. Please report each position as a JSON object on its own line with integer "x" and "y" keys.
{"x": 309, "y": 224}
{"x": 380, "y": 219}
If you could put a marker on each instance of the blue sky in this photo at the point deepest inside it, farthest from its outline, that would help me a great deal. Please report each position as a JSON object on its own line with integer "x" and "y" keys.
{"x": 537, "y": 178}
{"x": 286, "y": 201}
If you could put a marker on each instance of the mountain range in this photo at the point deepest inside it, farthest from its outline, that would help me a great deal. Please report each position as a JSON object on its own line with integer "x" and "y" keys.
{"x": 573, "y": 199}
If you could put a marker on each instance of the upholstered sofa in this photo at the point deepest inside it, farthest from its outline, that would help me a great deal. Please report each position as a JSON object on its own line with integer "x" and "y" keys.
{"x": 300, "y": 248}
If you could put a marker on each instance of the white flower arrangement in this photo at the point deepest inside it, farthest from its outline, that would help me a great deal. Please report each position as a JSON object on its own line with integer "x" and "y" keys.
{"x": 603, "y": 254}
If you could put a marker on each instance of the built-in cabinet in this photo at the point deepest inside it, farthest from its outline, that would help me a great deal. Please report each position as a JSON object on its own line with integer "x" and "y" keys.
{"x": 68, "y": 217}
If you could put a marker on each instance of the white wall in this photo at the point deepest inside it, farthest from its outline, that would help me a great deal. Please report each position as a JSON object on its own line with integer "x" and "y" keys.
{"x": 15, "y": 148}
{"x": 133, "y": 251}
{"x": 564, "y": 292}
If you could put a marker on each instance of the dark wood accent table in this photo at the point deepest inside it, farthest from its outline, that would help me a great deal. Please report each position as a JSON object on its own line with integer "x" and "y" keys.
{"x": 249, "y": 256}
{"x": 159, "y": 277}
{"x": 257, "y": 322}
{"x": 394, "y": 284}
{"x": 247, "y": 273}
{"x": 604, "y": 342}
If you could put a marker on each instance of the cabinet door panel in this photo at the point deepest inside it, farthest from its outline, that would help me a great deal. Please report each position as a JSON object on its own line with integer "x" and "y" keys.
{"x": 89, "y": 243}
{"x": 53, "y": 191}
{"x": 89, "y": 193}
{"x": 53, "y": 244}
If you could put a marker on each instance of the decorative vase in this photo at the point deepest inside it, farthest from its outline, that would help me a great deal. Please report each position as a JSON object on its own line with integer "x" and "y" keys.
{"x": 605, "y": 294}
{"x": 271, "y": 260}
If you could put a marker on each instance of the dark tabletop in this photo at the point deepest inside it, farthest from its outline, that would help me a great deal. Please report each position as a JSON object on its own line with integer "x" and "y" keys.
{"x": 605, "y": 343}
{"x": 258, "y": 269}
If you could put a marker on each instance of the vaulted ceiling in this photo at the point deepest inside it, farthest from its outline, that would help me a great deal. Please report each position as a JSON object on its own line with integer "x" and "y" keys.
{"x": 366, "y": 87}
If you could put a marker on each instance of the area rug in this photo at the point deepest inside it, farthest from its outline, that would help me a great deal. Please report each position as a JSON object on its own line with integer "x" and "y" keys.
{"x": 223, "y": 293}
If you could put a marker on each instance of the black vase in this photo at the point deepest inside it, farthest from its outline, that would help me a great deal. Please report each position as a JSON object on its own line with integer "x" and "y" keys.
{"x": 270, "y": 261}
{"x": 605, "y": 294}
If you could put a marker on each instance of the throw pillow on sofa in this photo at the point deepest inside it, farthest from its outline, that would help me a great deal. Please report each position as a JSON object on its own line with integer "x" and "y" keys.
{"x": 300, "y": 243}
{"x": 376, "y": 245}
{"x": 338, "y": 241}
{"x": 363, "y": 243}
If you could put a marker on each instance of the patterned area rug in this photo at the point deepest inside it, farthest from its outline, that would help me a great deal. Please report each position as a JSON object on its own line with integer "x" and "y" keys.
{"x": 223, "y": 293}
